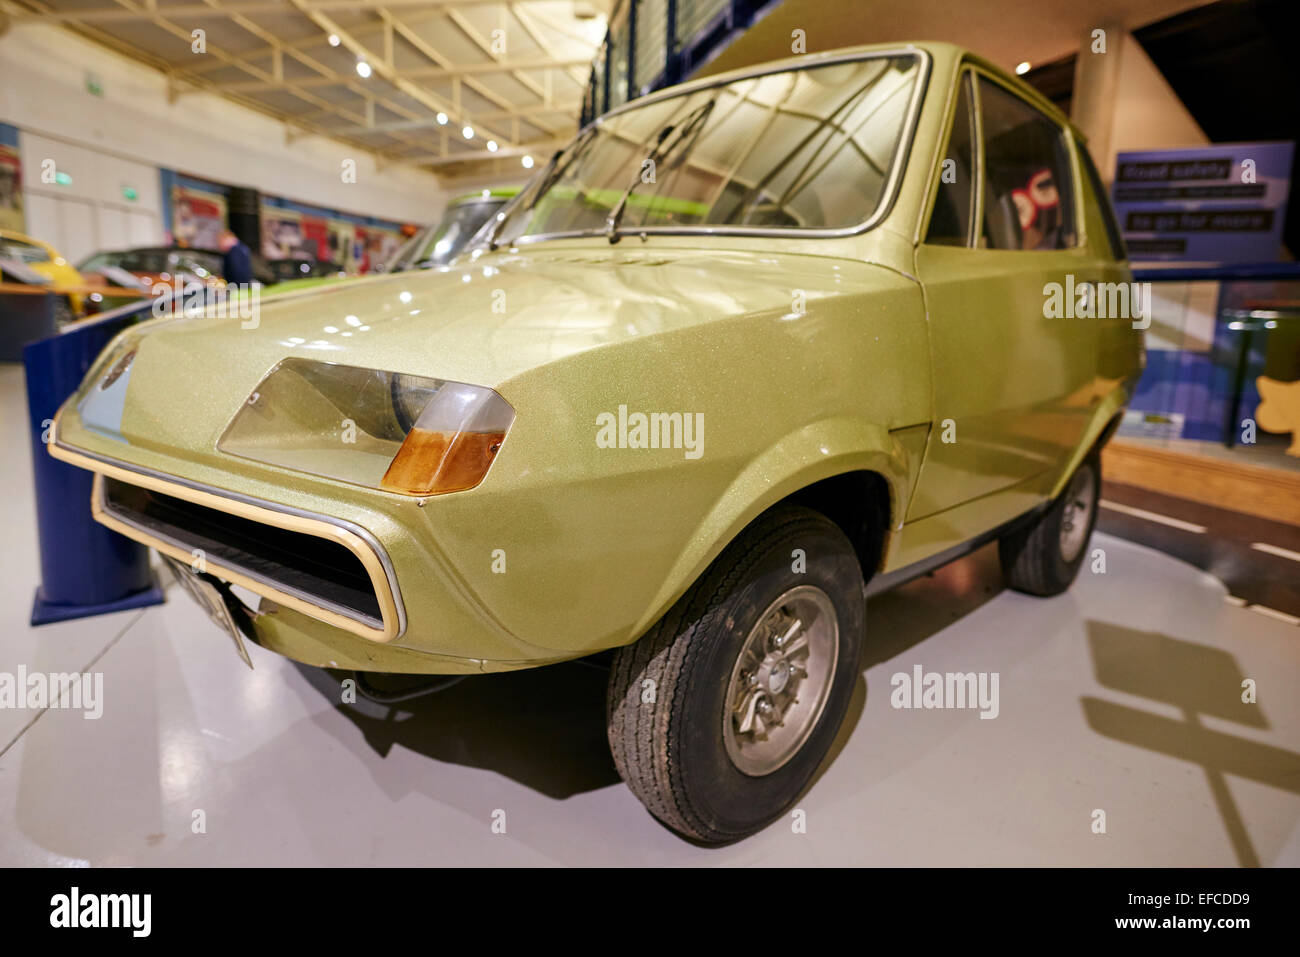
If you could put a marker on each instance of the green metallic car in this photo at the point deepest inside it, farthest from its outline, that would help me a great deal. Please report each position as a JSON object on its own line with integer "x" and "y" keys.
{"x": 746, "y": 352}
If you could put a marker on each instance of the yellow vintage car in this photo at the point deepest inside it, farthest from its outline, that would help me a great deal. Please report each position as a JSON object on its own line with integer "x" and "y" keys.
{"x": 45, "y": 260}
{"x": 747, "y": 351}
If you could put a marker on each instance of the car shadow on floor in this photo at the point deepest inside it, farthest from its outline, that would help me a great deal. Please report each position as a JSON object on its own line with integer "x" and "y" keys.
{"x": 545, "y": 728}
{"x": 902, "y": 618}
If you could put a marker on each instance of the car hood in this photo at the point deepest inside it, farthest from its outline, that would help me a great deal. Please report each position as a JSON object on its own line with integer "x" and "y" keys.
{"x": 484, "y": 322}
{"x": 55, "y": 272}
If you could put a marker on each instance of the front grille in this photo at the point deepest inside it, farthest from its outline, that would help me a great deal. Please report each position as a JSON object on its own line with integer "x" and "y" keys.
{"x": 317, "y": 570}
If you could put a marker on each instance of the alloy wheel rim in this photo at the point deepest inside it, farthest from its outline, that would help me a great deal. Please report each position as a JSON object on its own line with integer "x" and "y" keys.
{"x": 1079, "y": 500}
{"x": 781, "y": 680}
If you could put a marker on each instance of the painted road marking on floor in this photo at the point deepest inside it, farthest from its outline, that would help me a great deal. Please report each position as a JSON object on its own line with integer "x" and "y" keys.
{"x": 1274, "y": 613}
{"x": 1275, "y": 550}
{"x": 1262, "y": 609}
{"x": 1153, "y": 517}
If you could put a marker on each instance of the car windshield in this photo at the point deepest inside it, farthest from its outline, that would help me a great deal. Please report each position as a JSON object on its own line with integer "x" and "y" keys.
{"x": 132, "y": 260}
{"x": 810, "y": 148}
{"x": 404, "y": 258}
{"x": 22, "y": 252}
{"x": 140, "y": 260}
{"x": 455, "y": 231}
{"x": 202, "y": 264}
{"x": 199, "y": 262}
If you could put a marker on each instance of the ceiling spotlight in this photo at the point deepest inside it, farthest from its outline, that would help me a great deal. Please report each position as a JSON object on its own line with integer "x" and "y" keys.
{"x": 468, "y": 132}
{"x": 492, "y": 146}
{"x": 363, "y": 69}
{"x": 442, "y": 119}
{"x": 528, "y": 162}
{"x": 1022, "y": 68}
{"x": 334, "y": 39}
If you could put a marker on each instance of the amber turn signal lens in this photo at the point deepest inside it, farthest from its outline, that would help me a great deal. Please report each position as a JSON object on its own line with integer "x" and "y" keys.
{"x": 431, "y": 463}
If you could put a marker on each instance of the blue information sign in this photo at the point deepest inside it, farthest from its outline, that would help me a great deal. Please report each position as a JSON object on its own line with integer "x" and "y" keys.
{"x": 1222, "y": 204}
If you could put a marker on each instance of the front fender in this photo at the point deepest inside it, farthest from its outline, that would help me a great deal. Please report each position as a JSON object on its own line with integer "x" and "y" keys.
{"x": 815, "y": 452}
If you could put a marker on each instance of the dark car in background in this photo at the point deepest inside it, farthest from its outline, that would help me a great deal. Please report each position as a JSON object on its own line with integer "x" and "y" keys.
{"x": 179, "y": 266}
{"x": 160, "y": 263}
{"x": 282, "y": 270}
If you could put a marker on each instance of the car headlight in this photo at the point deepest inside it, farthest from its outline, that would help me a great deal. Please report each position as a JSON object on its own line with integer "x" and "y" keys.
{"x": 108, "y": 357}
{"x": 386, "y": 430}
{"x": 103, "y": 391}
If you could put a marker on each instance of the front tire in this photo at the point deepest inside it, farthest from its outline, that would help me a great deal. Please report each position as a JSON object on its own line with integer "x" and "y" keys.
{"x": 1043, "y": 557}
{"x": 721, "y": 714}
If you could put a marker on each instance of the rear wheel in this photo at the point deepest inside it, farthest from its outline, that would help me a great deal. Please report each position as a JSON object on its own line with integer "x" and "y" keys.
{"x": 720, "y": 716}
{"x": 1043, "y": 557}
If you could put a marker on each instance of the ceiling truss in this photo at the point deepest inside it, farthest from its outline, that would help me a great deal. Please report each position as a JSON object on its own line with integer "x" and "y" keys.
{"x": 457, "y": 86}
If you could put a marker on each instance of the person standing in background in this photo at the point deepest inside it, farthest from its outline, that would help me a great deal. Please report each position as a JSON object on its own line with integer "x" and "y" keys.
{"x": 237, "y": 261}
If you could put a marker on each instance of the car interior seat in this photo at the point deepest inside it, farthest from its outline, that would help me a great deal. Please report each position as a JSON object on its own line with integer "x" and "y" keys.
{"x": 1002, "y": 223}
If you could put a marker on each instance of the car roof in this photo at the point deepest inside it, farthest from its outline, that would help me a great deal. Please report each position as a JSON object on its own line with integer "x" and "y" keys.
{"x": 498, "y": 192}
{"x": 165, "y": 249}
{"x": 947, "y": 57}
{"x": 14, "y": 236}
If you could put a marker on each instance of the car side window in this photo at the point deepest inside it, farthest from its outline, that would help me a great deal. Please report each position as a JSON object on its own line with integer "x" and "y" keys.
{"x": 954, "y": 203}
{"x": 1028, "y": 190}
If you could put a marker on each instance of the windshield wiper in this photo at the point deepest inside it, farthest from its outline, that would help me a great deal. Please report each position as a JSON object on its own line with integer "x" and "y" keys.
{"x": 543, "y": 182}
{"x": 678, "y": 134}
{"x": 499, "y": 220}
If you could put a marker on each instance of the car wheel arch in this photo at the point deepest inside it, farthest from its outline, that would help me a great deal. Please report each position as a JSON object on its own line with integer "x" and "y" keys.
{"x": 1106, "y": 419}
{"x": 824, "y": 464}
{"x": 860, "y": 504}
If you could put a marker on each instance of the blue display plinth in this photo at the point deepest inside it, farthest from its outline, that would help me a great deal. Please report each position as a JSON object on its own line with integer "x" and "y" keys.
{"x": 85, "y": 568}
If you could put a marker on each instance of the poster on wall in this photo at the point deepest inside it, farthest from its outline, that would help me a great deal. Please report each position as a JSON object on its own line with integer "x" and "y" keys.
{"x": 1220, "y": 204}
{"x": 198, "y": 217}
{"x": 358, "y": 252}
{"x": 11, "y": 190}
{"x": 289, "y": 234}
{"x": 375, "y": 246}
{"x": 292, "y": 234}
{"x": 341, "y": 236}
{"x": 316, "y": 237}
{"x": 384, "y": 244}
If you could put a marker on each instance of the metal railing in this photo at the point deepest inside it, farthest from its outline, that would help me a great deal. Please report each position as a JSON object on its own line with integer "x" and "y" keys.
{"x": 1242, "y": 323}
{"x": 651, "y": 44}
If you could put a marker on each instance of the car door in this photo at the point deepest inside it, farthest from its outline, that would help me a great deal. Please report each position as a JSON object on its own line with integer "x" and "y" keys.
{"x": 1012, "y": 387}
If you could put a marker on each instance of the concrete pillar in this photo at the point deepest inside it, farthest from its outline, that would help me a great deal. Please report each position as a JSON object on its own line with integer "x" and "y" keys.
{"x": 1096, "y": 90}
{"x": 1123, "y": 102}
